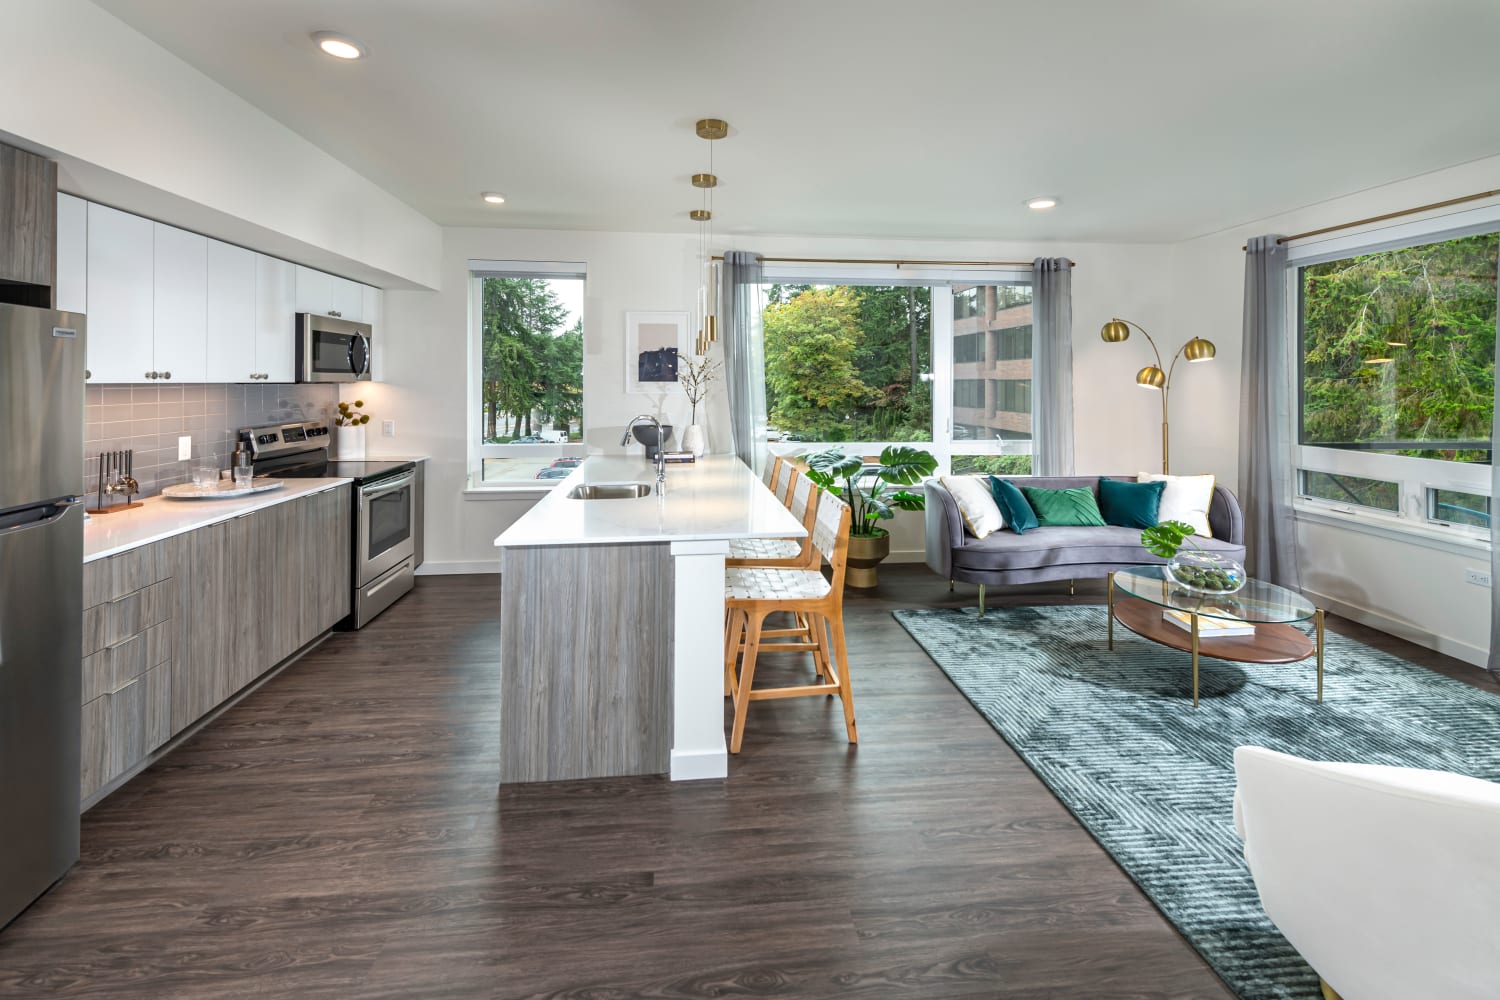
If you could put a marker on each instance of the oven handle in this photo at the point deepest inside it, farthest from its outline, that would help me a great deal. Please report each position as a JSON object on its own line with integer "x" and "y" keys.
{"x": 380, "y": 489}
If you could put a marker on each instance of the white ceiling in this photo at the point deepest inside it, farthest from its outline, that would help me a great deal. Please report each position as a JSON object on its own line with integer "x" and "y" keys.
{"x": 1154, "y": 120}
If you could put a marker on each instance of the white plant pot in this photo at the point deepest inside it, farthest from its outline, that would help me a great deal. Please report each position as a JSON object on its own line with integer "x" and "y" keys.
{"x": 350, "y": 442}
{"x": 694, "y": 440}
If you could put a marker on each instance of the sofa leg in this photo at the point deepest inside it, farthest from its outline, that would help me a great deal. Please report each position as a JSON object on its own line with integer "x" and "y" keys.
{"x": 1070, "y": 588}
{"x": 950, "y": 586}
{"x": 1329, "y": 993}
{"x": 981, "y": 600}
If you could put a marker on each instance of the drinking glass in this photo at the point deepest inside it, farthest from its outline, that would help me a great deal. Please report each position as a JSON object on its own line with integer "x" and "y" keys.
{"x": 206, "y": 470}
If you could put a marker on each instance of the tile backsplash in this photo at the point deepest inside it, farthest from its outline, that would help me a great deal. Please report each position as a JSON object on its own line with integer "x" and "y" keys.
{"x": 150, "y": 419}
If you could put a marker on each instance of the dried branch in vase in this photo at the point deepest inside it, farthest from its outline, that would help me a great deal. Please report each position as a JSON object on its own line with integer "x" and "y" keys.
{"x": 696, "y": 374}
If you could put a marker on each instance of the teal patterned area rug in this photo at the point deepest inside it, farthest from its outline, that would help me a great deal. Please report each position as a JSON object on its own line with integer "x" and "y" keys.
{"x": 1115, "y": 737}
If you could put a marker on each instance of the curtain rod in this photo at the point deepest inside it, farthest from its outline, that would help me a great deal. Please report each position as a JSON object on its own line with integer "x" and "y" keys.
{"x": 898, "y": 263}
{"x": 1389, "y": 215}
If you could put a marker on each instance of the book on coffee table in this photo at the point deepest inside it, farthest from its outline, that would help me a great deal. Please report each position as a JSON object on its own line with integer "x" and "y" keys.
{"x": 1221, "y": 626}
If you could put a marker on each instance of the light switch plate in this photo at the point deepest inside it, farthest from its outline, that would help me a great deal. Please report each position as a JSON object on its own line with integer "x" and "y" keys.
{"x": 184, "y": 448}
{"x": 388, "y": 428}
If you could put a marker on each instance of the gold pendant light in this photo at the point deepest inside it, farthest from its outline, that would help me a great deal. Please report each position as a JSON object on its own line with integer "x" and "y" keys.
{"x": 708, "y": 325}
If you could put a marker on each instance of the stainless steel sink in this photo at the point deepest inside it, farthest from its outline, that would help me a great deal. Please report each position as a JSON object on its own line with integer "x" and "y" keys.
{"x": 610, "y": 491}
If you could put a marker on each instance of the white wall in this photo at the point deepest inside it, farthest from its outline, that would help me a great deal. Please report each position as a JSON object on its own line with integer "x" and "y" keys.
{"x": 133, "y": 126}
{"x": 427, "y": 361}
{"x": 1397, "y": 585}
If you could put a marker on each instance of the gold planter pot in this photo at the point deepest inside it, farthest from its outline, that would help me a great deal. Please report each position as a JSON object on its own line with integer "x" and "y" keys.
{"x": 865, "y": 553}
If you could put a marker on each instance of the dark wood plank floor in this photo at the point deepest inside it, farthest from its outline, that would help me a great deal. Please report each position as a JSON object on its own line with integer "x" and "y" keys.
{"x": 339, "y": 833}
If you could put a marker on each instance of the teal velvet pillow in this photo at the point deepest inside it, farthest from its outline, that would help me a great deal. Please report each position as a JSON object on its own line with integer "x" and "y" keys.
{"x": 1074, "y": 508}
{"x": 1130, "y": 505}
{"x": 1019, "y": 516}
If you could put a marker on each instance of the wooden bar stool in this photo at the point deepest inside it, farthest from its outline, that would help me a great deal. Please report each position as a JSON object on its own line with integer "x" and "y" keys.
{"x": 781, "y": 480}
{"x": 769, "y": 476}
{"x": 753, "y": 593}
{"x": 793, "y": 553}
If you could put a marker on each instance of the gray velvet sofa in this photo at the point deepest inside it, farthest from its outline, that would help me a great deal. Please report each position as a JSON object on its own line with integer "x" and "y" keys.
{"x": 1043, "y": 554}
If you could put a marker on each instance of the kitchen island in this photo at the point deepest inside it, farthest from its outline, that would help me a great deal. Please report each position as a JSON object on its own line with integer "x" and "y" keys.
{"x": 612, "y": 620}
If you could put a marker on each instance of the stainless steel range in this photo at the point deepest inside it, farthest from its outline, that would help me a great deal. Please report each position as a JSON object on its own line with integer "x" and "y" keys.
{"x": 385, "y": 508}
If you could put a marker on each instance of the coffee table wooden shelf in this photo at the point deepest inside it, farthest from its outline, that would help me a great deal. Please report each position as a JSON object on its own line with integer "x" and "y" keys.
{"x": 1269, "y": 608}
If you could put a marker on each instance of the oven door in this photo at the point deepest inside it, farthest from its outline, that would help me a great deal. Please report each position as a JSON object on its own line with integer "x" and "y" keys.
{"x": 332, "y": 350}
{"x": 387, "y": 509}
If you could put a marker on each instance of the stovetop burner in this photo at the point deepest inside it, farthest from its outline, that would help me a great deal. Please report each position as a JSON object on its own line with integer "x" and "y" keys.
{"x": 299, "y": 450}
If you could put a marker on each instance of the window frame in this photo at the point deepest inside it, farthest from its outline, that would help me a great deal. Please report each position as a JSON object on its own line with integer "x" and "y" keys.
{"x": 938, "y": 279}
{"x": 479, "y": 449}
{"x": 1414, "y": 476}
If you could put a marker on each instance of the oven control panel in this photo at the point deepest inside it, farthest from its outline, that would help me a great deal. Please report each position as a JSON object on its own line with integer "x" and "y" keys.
{"x": 281, "y": 439}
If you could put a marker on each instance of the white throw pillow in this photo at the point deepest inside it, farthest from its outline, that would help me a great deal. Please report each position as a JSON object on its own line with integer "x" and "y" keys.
{"x": 1185, "y": 499}
{"x": 975, "y": 502}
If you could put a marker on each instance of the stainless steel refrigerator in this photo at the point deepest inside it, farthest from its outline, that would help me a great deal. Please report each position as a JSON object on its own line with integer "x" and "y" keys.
{"x": 41, "y": 598}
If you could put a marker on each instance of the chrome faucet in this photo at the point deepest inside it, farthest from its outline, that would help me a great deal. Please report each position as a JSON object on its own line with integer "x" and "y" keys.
{"x": 661, "y": 448}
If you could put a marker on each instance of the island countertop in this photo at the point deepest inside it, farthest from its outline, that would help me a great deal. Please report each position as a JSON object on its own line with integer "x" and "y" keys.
{"x": 716, "y": 497}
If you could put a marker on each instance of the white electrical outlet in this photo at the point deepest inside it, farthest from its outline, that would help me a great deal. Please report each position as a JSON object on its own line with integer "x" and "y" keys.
{"x": 388, "y": 428}
{"x": 1478, "y": 577}
{"x": 184, "y": 448}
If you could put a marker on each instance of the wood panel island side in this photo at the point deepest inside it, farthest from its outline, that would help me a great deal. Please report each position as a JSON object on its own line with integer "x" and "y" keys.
{"x": 612, "y": 621}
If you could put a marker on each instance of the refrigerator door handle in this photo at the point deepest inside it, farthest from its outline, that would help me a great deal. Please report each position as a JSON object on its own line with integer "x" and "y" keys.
{"x": 59, "y": 508}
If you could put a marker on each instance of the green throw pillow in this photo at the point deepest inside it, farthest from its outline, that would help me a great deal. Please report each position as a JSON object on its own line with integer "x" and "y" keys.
{"x": 1130, "y": 505}
{"x": 1019, "y": 517}
{"x": 1074, "y": 508}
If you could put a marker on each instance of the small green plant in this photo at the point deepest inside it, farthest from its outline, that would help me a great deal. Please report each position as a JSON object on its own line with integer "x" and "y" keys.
{"x": 868, "y": 490}
{"x": 349, "y": 415}
{"x": 1166, "y": 538}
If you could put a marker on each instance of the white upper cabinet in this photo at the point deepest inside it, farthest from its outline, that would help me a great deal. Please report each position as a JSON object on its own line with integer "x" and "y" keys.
{"x": 275, "y": 319}
{"x": 374, "y": 307}
{"x": 180, "y": 319}
{"x": 72, "y": 291}
{"x": 314, "y": 291}
{"x": 231, "y": 314}
{"x": 349, "y": 300}
{"x": 120, "y": 263}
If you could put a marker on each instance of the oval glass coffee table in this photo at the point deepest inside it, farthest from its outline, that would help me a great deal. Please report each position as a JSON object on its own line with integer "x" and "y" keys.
{"x": 1253, "y": 625}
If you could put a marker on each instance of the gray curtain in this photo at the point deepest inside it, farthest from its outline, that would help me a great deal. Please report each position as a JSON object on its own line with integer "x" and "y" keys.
{"x": 1494, "y": 663}
{"x": 1266, "y": 393}
{"x": 744, "y": 354}
{"x": 1052, "y": 366}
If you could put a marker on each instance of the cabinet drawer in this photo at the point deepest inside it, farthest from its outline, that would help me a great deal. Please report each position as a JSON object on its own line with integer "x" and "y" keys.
{"x": 115, "y": 665}
{"x": 122, "y": 727}
{"x": 106, "y": 580}
{"x": 115, "y": 621}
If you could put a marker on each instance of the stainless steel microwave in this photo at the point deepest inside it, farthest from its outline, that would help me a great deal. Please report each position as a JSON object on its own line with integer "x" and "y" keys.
{"x": 330, "y": 349}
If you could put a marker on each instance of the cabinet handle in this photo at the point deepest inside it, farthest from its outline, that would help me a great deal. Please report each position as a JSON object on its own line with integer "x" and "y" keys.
{"x": 166, "y": 374}
{"x": 124, "y": 642}
{"x": 122, "y": 687}
{"x": 334, "y": 312}
{"x": 151, "y": 374}
{"x": 87, "y": 374}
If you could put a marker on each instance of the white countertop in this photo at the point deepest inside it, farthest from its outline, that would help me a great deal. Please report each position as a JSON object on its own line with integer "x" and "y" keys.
{"x": 159, "y": 517}
{"x": 715, "y": 497}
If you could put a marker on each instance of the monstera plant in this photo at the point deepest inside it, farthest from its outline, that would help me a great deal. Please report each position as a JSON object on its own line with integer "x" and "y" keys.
{"x": 874, "y": 494}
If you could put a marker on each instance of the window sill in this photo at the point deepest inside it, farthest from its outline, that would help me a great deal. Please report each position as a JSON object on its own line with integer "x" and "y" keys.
{"x": 1430, "y": 536}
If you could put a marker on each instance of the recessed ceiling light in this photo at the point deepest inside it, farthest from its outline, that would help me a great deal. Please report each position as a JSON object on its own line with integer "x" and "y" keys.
{"x": 1041, "y": 204}
{"x": 493, "y": 197}
{"x": 338, "y": 46}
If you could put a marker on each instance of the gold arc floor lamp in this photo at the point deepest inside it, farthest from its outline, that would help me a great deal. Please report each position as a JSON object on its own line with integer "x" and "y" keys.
{"x": 1117, "y": 331}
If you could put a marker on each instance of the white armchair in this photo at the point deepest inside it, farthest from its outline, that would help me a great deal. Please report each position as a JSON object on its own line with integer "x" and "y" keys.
{"x": 1386, "y": 879}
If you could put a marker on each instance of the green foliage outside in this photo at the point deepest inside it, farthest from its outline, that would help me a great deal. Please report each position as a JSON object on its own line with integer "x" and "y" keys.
{"x": 1399, "y": 349}
{"x": 994, "y": 465}
{"x": 842, "y": 362}
{"x": 532, "y": 366}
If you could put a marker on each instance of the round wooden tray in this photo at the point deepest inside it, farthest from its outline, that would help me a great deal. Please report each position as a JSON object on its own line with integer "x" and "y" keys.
{"x": 1271, "y": 643}
{"x": 224, "y": 490}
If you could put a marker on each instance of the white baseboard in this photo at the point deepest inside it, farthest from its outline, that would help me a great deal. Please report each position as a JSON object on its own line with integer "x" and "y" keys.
{"x": 698, "y": 765}
{"x": 1447, "y": 645}
{"x": 458, "y": 567}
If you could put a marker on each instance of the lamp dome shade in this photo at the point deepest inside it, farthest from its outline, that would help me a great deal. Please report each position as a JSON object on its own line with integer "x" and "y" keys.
{"x": 1150, "y": 377}
{"x": 1115, "y": 331}
{"x": 1199, "y": 349}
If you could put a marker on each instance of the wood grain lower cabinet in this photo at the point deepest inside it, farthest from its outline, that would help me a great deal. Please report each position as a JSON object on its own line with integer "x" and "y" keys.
{"x": 174, "y": 629}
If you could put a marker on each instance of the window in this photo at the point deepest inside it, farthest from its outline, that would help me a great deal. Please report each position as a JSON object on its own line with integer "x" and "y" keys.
{"x": 945, "y": 363}
{"x": 1396, "y": 376}
{"x": 528, "y": 371}
{"x": 1398, "y": 350}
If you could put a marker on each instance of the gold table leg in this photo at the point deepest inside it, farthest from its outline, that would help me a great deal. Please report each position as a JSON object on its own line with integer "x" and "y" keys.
{"x": 1195, "y": 660}
{"x": 1111, "y": 599}
{"x": 1318, "y": 625}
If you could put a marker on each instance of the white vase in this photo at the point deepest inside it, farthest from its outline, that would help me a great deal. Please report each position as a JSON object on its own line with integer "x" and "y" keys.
{"x": 694, "y": 440}
{"x": 351, "y": 442}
